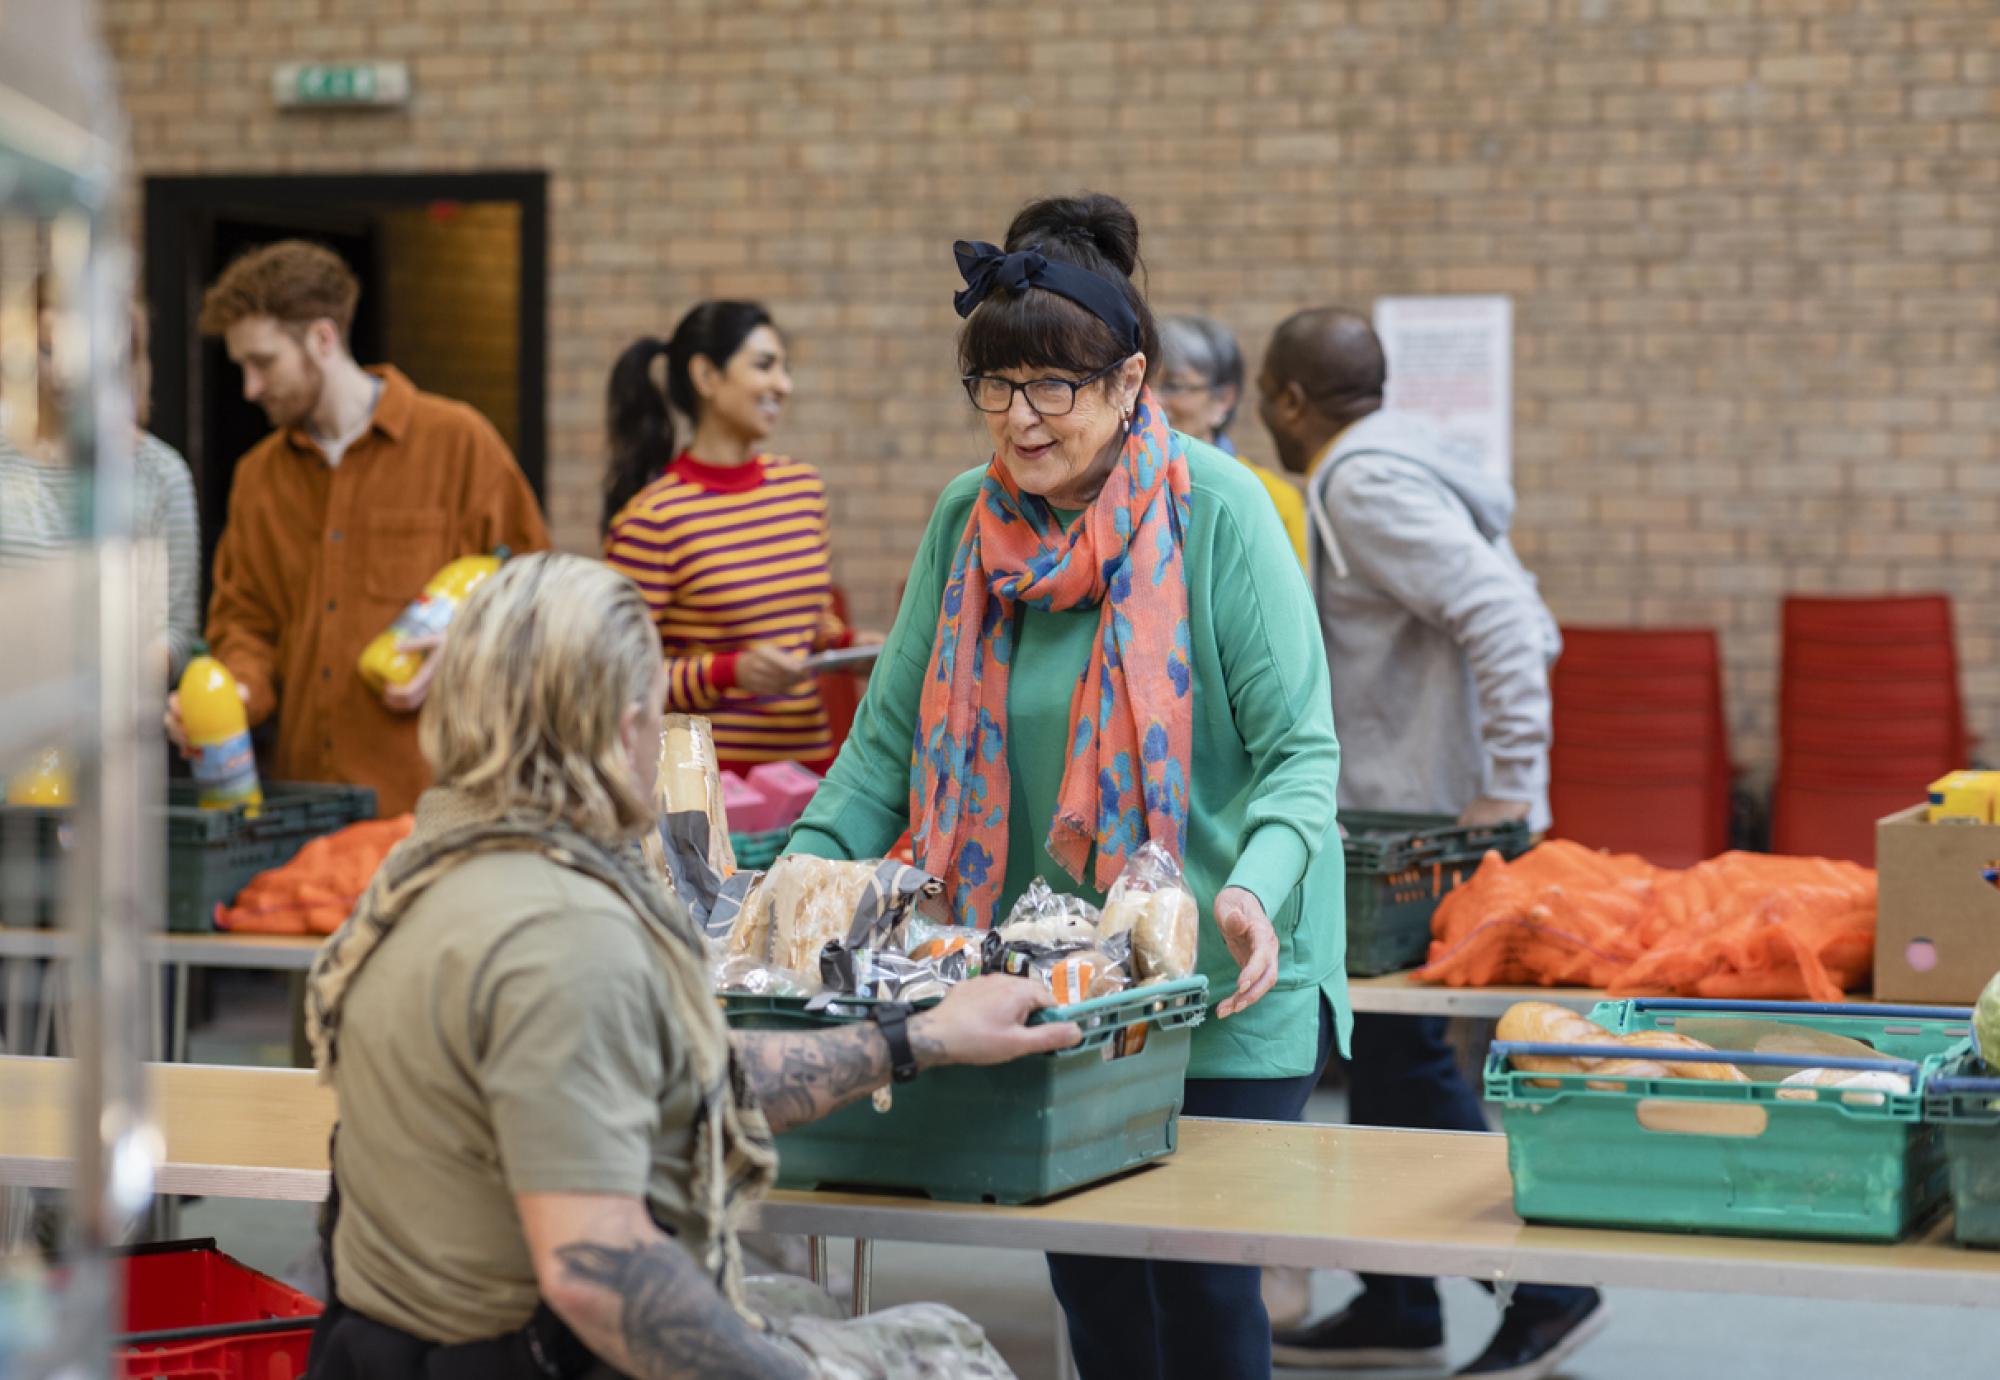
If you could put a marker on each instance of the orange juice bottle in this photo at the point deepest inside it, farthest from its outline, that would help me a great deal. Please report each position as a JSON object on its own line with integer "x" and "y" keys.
{"x": 45, "y": 780}
{"x": 429, "y": 613}
{"x": 225, "y": 765}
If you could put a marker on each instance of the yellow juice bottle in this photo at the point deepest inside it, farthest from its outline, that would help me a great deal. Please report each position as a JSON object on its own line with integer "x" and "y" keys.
{"x": 430, "y": 613}
{"x": 225, "y": 765}
{"x": 46, "y": 780}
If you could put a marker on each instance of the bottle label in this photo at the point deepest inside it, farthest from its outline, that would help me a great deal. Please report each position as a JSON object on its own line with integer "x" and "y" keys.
{"x": 425, "y": 616}
{"x": 226, "y": 772}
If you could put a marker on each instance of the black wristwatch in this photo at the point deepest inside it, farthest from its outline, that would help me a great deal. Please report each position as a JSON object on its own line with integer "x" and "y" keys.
{"x": 894, "y": 1019}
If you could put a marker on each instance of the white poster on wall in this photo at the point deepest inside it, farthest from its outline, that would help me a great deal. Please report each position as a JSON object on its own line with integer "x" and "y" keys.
{"x": 1452, "y": 360}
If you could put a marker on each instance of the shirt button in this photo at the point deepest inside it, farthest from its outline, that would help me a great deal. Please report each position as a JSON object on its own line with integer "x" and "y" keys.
{"x": 326, "y": 673}
{"x": 333, "y": 536}
{"x": 332, "y": 604}
{"x": 327, "y": 744}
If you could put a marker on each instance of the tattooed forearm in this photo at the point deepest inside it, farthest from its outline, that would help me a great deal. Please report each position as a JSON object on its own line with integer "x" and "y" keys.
{"x": 671, "y": 1321}
{"x": 803, "y": 1077}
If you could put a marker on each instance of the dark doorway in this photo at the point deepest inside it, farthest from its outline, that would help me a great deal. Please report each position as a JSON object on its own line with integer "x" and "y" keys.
{"x": 453, "y": 271}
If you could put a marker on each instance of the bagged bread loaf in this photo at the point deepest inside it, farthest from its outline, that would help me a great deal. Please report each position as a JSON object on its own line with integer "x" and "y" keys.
{"x": 792, "y": 912}
{"x": 1540, "y": 1022}
{"x": 1152, "y": 903}
{"x": 1798, "y": 1085}
{"x": 690, "y": 789}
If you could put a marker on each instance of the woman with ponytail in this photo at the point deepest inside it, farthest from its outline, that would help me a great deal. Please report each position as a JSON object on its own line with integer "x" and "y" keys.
{"x": 728, "y": 543}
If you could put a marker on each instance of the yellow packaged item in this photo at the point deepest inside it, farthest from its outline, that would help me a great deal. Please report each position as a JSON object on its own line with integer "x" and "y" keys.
{"x": 1964, "y": 797}
{"x": 46, "y": 780}
{"x": 429, "y": 614}
{"x": 218, "y": 732}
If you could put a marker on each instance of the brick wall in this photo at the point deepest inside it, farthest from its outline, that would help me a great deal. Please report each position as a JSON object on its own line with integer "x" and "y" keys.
{"x": 1751, "y": 242}
{"x": 453, "y": 288}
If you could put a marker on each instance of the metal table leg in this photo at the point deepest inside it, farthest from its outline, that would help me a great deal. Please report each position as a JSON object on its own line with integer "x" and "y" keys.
{"x": 864, "y": 1270}
{"x": 14, "y": 976}
{"x": 177, "y": 1040}
{"x": 1065, "y": 1363}
{"x": 816, "y": 1262}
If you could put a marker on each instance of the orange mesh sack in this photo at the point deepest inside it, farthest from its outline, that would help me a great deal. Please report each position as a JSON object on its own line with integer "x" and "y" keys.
{"x": 317, "y": 889}
{"x": 1743, "y": 925}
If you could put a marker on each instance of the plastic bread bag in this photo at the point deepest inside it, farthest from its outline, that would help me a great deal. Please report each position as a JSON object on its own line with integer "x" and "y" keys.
{"x": 740, "y": 973}
{"x": 928, "y": 942}
{"x": 693, "y": 837}
{"x": 1044, "y": 916}
{"x": 1152, "y": 903}
{"x": 802, "y": 904}
{"x": 1072, "y": 973}
{"x": 885, "y": 976}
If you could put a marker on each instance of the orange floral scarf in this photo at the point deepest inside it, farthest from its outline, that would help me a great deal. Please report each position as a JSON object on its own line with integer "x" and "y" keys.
{"x": 1132, "y": 716}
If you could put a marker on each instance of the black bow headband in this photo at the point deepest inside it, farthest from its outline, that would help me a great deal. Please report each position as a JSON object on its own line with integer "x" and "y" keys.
{"x": 986, "y": 267}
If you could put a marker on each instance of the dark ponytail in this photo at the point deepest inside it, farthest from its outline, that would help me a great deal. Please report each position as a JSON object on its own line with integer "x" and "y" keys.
{"x": 638, "y": 416}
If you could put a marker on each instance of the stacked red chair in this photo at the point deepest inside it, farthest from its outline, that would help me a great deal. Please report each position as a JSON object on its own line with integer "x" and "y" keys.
{"x": 1869, "y": 714}
{"x": 1640, "y": 762}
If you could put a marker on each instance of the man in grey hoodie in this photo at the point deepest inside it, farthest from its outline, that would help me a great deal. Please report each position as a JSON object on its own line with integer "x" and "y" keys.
{"x": 1439, "y": 647}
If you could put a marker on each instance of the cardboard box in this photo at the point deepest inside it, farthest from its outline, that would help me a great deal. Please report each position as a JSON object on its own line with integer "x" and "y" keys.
{"x": 1937, "y": 918}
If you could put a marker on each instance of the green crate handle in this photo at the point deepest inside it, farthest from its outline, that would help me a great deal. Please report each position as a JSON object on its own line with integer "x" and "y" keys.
{"x": 1183, "y": 1002}
{"x": 1503, "y": 1048}
{"x": 1801, "y": 1008}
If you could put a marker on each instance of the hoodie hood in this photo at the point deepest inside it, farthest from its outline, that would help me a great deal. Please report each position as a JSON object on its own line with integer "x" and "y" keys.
{"x": 1415, "y": 440}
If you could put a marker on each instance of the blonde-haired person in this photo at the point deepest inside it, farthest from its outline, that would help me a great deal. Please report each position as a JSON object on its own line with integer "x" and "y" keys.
{"x": 545, "y": 1124}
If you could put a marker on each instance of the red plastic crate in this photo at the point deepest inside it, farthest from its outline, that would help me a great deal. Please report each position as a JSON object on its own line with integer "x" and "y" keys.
{"x": 192, "y": 1284}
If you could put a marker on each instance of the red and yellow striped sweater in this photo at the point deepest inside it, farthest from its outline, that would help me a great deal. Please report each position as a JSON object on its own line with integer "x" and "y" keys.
{"x": 727, "y": 557}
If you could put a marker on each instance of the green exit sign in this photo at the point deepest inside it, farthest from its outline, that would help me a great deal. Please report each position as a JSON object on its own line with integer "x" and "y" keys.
{"x": 373, "y": 84}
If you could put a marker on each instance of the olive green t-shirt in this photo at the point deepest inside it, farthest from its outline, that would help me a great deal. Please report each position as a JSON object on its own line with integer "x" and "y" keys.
{"x": 512, "y": 1034}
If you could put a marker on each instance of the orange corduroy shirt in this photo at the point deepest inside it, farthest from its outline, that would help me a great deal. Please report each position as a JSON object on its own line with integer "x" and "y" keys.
{"x": 315, "y": 560}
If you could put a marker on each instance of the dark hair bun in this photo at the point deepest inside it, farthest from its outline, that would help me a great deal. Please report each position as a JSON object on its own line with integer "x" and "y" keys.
{"x": 1102, "y": 227}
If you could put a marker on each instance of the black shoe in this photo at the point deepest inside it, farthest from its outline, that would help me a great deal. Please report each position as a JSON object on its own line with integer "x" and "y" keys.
{"x": 1358, "y": 1340}
{"x": 1531, "y": 1345}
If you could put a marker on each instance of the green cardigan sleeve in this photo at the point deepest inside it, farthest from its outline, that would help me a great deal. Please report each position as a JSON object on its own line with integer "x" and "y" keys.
{"x": 863, "y": 806}
{"x": 1274, "y": 666}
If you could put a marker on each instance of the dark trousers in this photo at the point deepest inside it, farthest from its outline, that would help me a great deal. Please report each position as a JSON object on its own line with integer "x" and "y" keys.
{"x": 1174, "y": 1320}
{"x": 1405, "y": 1073}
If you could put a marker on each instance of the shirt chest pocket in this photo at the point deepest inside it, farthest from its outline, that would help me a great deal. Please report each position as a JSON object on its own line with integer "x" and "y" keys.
{"x": 405, "y": 547}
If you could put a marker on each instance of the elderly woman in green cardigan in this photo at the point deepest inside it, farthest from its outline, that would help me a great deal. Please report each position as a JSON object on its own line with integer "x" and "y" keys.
{"x": 1106, "y": 640}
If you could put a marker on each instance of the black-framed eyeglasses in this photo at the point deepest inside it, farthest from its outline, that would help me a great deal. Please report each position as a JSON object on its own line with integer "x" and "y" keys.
{"x": 1048, "y": 397}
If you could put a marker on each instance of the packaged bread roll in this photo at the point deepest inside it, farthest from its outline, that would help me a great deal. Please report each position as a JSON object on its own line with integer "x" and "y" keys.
{"x": 1851, "y": 1080}
{"x": 1153, "y": 903}
{"x": 688, "y": 796}
{"x": 1541, "y": 1022}
{"x": 802, "y": 904}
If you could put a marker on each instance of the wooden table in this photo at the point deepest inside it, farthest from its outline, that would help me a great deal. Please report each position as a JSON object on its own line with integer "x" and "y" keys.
{"x": 273, "y": 952}
{"x": 1410, "y": 1202}
{"x": 1399, "y": 994}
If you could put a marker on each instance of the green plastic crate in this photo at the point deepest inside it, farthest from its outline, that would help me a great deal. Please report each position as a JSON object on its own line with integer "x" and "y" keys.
{"x": 756, "y": 852}
{"x": 1965, "y": 1099}
{"x": 1013, "y": 1133}
{"x": 213, "y": 854}
{"x": 1399, "y": 867}
{"x": 1732, "y": 1158}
